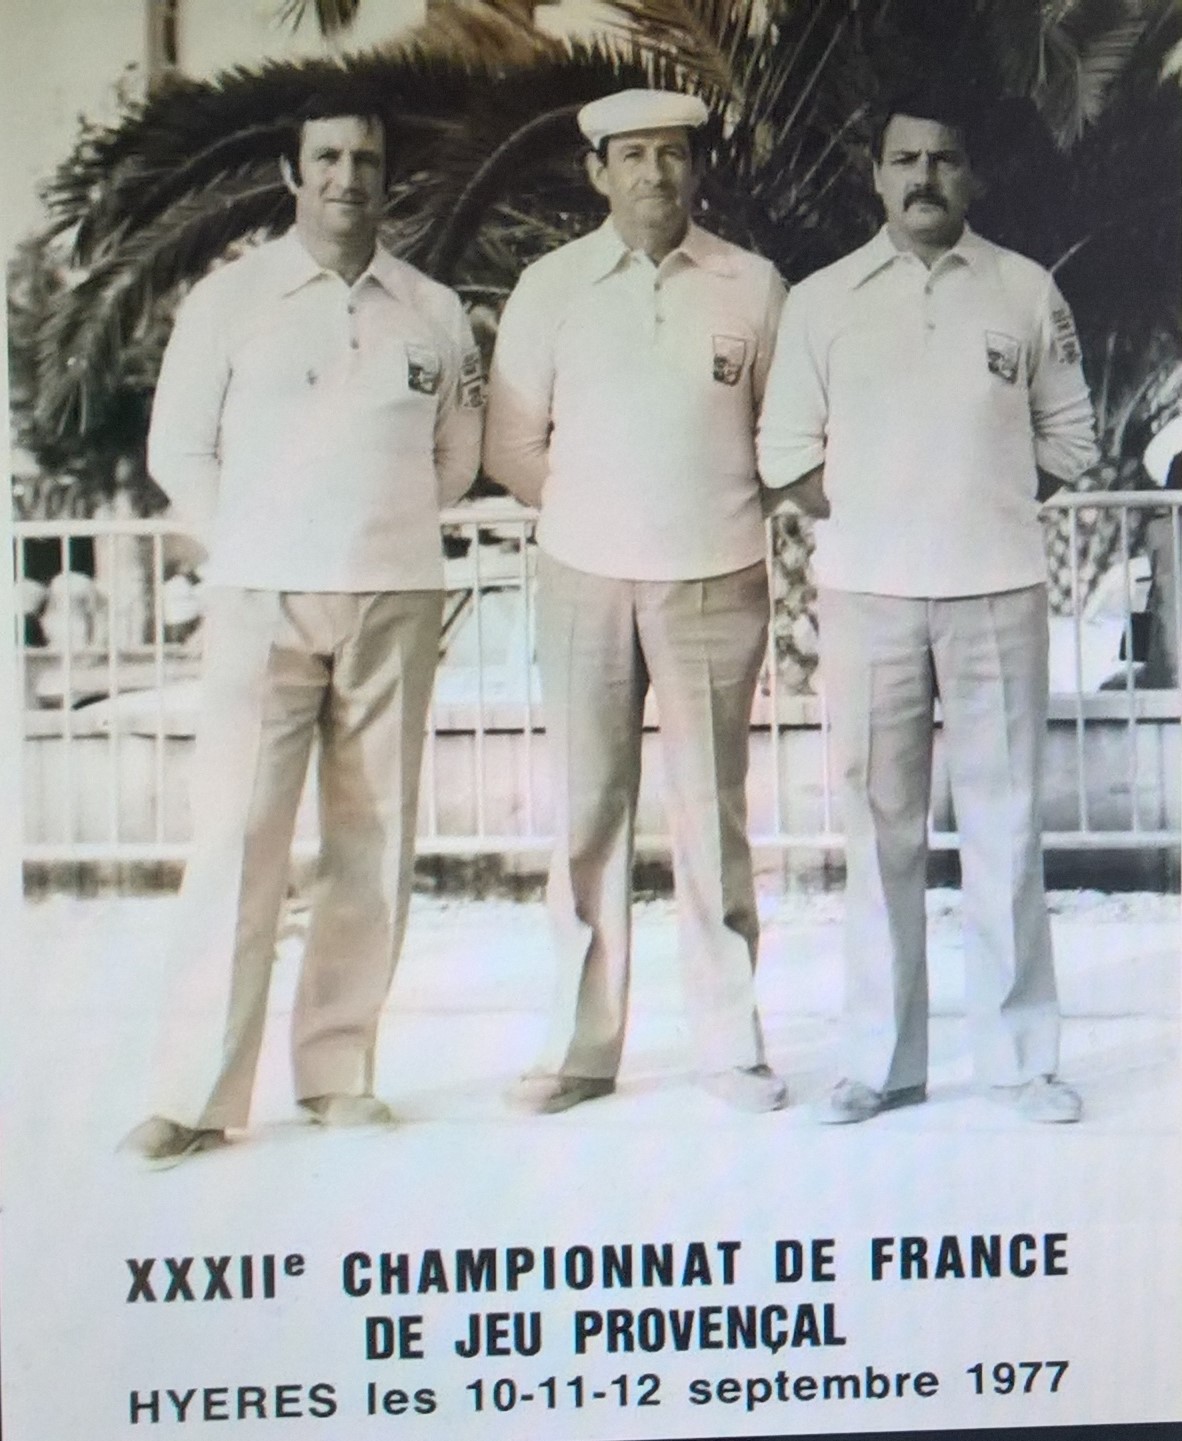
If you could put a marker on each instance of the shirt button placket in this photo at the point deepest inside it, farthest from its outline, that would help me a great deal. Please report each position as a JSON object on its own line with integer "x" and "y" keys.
{"x": 929, "y": 317}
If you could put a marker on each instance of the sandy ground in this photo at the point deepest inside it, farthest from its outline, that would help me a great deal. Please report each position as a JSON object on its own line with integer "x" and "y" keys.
{"x": 467, "y": 1009}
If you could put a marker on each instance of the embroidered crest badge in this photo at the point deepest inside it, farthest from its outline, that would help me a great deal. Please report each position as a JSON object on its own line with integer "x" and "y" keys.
{"x": 730, "y": 355}
{"x": 1002, "y": 353}
{"x": 423, "y": 369}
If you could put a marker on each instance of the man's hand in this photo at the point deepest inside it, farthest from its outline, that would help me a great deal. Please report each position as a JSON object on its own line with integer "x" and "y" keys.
{"x": 806, "y": 496}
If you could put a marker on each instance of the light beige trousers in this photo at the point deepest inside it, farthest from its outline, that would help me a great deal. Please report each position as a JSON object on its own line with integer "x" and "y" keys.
{"x": 282, "y": 669}
{"x": 700, "y": 643}
{"x": 884, "y": 659}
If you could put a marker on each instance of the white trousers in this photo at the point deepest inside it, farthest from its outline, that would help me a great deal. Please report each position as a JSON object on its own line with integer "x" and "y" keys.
{"x": 884, "y": 658}
{"x": 281, "y": 670}
{"x": 601, "y": 641}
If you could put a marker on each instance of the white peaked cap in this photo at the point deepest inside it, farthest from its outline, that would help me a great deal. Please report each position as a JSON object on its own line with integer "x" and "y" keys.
{"x": 629, "y": 110}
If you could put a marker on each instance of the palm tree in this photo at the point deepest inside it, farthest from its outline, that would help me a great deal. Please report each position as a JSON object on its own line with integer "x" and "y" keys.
{"x": 482, "y": 173}
{"x": 485, "y": 175}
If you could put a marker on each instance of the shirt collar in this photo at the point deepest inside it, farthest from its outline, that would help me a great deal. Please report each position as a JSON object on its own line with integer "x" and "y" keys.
{"x": 697, "y": 245}
{"x": 706, "y": 250}
{"x": 294, "y": 267}
{"x": 882, "y": 251}
{"x": 388, "y": 272}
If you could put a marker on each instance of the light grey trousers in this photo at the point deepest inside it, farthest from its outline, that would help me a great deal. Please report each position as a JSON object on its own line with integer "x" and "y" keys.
{"x": 700, "y": 644}
{"x": 282, "y": 669}
{"x": 884, "y": 659}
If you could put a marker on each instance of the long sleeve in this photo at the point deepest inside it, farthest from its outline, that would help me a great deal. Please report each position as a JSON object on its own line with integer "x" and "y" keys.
{"x": 794, "y": 417}
{"x": 1060, "y": 407}
{"x": 521, "y": 383}
{"x": 183, "y": 455}
{"x": 458, "y": 421}
{"x": 776, "y": 296}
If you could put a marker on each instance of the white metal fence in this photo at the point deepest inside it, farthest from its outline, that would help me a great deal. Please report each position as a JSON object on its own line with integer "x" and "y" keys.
{"x": 108, "y": 671}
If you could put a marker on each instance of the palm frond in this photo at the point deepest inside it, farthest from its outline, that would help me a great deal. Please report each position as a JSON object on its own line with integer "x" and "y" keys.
{"x": 1067, "y": 56}
{"x": 332, "y": 16}
{"x": 709, "y": 38}
{"x": 782, "y": 65}
{"x": 483, "y": 171}
{"x": 187, "y": 131}
{"x": 533, "y": 141}
{"x": 81, "y": 340}
{"x": 1078, "y": 75}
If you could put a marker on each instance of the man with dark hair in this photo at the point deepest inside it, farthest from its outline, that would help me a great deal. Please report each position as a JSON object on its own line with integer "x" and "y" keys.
{"x": 926, "y": 391}
{"x": 319, "y": 402}
{"x": 941, "y": 101}
{"x": 326, "y": 105}
{"x": 625, "y": 383}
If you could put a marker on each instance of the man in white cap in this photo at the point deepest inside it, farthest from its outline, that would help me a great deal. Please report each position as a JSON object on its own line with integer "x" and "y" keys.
{"x": 627, "y": 377}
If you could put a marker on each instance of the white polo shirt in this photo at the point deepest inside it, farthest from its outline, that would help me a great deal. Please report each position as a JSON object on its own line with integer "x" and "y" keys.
{"x": 930, "y": 396}
{"x": 623, "y": 399}
{"x": 310, "y": 430}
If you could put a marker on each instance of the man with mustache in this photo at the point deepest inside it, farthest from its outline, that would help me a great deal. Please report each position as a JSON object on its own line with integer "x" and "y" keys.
{"x": 622, "y": 400}
{"x": 318, "y": 403}
{"x": 926, "y": 394}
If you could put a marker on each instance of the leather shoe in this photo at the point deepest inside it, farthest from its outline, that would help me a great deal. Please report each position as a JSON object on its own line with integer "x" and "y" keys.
{"x": 163, "y": 1143}
{"x": 1045, "y": 1099}
{"x": 546, "y": 1093}
{"x": 341, "y": 1111}
{"x": 748, "y": 1088}
{"x": 853, "y": 1101}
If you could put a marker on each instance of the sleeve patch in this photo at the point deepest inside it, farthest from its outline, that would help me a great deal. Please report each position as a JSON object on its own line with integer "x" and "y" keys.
{"x": 471, "y": 380}
{"x": 1064, "y": 340}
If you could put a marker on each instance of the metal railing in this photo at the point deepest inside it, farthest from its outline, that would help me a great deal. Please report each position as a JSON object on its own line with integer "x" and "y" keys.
{"x": 109, "y": 698}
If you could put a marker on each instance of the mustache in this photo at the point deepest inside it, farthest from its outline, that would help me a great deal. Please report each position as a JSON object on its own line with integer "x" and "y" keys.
{"x": 922, "y": 192}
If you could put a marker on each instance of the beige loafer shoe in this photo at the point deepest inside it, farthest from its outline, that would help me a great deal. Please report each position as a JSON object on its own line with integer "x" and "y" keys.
{"x": 545, "y": 1093}
{"x": 748, "y": 1088}
{"x": 852, "y": 1101}
{"x": 341, "y": 1112}
{"x": 163, "y": 1143}
{"x": 1045, "y": 1099}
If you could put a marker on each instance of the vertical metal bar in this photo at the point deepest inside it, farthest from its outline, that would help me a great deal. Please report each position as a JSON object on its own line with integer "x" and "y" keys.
{"x": 22, "y": 659}
{"x": 67, "y": 679}
{"x": 1130, "y": 691}
{"x": 111, "y": 542}
{"x": 826, "y": 784}
{"x": 430, "y": 777}
{"x": 22, "y": 680}
{"x": 1175, "y": 514}
{"x": 1081, "y": 790}
{"x": 159, "y": 740}
{"x": 527, "y": 662}
{"x": 478, "y": 599}
{"x": 773, "y": 664}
